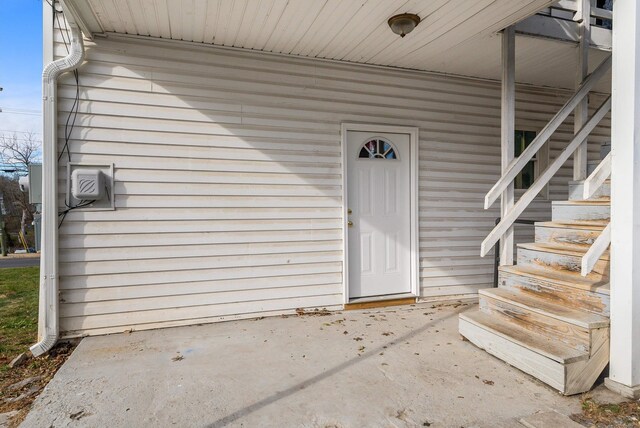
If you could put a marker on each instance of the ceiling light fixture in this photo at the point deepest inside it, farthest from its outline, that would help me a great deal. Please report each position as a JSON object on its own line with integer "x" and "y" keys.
{"x": 404, "y": 23}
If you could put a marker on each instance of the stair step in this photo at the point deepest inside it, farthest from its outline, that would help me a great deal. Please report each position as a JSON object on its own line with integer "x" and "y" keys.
{"x": 520, "y": 337}
{"x": 577, "y": 212}
{"x": 561, "y": 258}
{"x": 535, "y": 321}
{"x": 547, "y": 360}
{"x": 538, "y": 305}
{"x": 570, "y": 235}
{"x": 569, "y": 290}
{"x": 565, "y": 278}
{"x": 576, "y": 191}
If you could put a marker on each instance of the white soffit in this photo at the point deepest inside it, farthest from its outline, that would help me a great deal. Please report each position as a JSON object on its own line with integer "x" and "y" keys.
{"x": 455, "y": 36}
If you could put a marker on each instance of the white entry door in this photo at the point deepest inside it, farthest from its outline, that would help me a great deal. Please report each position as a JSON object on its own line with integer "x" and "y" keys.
{"x": 378, "y": 213}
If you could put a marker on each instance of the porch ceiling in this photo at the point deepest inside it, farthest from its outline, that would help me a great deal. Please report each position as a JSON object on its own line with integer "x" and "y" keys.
{"x": 455, "y": 36}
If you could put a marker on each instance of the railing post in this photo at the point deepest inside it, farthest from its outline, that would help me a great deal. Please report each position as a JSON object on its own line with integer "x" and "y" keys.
{"x": 507, "y": 146}
{"x": 581, "y": 113}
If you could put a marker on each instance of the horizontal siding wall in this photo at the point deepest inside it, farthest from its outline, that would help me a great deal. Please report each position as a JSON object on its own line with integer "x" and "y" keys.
{"x": 228, "y": 180}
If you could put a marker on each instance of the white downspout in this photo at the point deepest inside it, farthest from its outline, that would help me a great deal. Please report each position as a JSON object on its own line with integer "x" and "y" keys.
{"x": 48, "y": 326}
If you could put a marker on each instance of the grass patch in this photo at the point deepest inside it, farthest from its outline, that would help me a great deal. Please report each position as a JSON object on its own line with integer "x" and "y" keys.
{"x": 19, "y": 330}
{"x": 18, "y": 311}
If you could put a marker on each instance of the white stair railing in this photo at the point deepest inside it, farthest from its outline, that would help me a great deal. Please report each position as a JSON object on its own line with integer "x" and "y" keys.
{"x": 590, "y": 187}
{"x": 507, "y": 220}
{"x": 517, "y": 164}
{"x": 597, "y": 177}
{"x": 598, "y": 248}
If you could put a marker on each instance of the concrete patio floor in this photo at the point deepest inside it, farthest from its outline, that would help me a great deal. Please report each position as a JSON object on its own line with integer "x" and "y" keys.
{"x": 392, "y": 367}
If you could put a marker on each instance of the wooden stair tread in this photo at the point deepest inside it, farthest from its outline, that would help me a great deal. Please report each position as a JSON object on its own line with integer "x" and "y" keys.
{"x": 566, "y": 278}
{"x": 531, "y": 303}
{"x": 577, "y": 182}
{"x": 601, "y": 223}
{"x": 596, "y": 202}
{"x": 566, "y": 250}
{"x": 548, "y": 348}
{"x": 556, "y": 225}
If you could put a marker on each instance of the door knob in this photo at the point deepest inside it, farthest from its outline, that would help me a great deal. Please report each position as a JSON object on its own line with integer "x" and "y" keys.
{"x": 349, "y": 223}
{"x": 349, "y": 211}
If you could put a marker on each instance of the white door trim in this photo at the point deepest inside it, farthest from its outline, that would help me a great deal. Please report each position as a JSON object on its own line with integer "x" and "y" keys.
{"x": 413, "y": 197}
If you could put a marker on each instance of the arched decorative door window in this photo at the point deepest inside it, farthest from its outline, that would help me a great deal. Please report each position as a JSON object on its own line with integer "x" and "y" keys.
{"x": 377, "y": 148}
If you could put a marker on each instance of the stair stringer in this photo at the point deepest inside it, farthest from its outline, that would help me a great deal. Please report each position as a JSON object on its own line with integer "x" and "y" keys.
{"x": 581, "y": 375}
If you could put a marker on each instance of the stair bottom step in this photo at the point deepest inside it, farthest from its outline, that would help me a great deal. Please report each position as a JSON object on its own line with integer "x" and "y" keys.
{"x": 567, "y": 370}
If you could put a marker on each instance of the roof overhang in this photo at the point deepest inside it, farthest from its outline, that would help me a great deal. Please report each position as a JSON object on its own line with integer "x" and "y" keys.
{"x": 454, "y": 36}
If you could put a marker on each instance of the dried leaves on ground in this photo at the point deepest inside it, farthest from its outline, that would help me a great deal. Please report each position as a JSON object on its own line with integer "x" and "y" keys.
{"x": 608, "y": 415}
{"x": 19, "y": 386}
{"x": 316, "y": 312}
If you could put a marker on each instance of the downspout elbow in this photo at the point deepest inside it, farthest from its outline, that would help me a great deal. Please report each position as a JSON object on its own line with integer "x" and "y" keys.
{"x": 48, "y": 321}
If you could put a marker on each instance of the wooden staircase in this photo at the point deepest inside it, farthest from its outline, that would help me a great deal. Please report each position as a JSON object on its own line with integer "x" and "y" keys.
{"x": 545, "y": 318}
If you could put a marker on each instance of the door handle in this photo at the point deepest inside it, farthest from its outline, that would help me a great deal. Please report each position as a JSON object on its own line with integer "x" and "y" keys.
{"x": 350, "y": 223}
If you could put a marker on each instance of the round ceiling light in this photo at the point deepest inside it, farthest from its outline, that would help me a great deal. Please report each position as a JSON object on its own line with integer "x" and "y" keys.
{"x": 404, "y": 23}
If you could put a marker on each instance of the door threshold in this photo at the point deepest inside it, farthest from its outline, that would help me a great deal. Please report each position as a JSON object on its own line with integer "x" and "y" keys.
{"x": 380, "y": 301}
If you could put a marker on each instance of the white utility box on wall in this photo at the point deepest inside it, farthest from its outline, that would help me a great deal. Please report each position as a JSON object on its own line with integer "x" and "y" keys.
{"x": 87, "y": 184}
{"x": 90, "y": 186}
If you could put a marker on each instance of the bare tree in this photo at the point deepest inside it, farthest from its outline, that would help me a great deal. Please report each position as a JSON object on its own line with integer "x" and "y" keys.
{"x": 20, "y": 151}
{"x": 17, "y": 152}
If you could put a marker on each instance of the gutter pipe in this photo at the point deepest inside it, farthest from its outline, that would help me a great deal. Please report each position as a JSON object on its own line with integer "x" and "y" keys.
{"x": 48, "y": 322}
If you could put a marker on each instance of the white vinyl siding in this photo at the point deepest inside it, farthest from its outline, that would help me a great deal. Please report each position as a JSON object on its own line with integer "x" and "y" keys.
{"x": 228, "y": 180}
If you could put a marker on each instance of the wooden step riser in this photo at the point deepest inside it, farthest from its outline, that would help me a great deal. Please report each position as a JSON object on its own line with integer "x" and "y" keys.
{"x": 561, "y": 263}
{"x": 560, "y": 294}
{"x": 545, "y": 369}
{"x": 562, "y": 213}
{"x": 574, "y": 238}
{"x": 576, "y": 192}
{"x": 574, "y": 336}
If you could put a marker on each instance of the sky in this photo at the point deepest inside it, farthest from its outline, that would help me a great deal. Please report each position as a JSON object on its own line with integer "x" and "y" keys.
{"x": 21, "y": 66}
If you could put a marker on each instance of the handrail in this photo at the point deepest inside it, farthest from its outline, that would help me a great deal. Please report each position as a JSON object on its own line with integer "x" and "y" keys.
{"x": 600, "y": 245}
{"x": 544, "y": 178}
{"x": 598, "y": 248}
{"x": 597, "y": 177}
{"x": 517, "y": 164}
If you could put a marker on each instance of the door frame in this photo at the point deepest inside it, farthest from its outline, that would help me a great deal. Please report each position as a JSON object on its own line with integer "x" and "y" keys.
{"x": 413, "y": 198}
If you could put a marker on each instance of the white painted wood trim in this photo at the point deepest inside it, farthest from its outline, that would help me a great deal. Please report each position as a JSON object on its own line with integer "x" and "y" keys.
{"x": 507, "y": 137}
{"x": 345, "y": 231}
{"x": 597, "y": 177}
{"x": 413, "y": 174}
{"x": 598, "y": 247}
{"x": 47, "y": 33}
{"x": 581, "y": 114}
{"x": 529, "y": 195}
{"x": 625, "y": 197}
{"x": 544, "y": 135}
